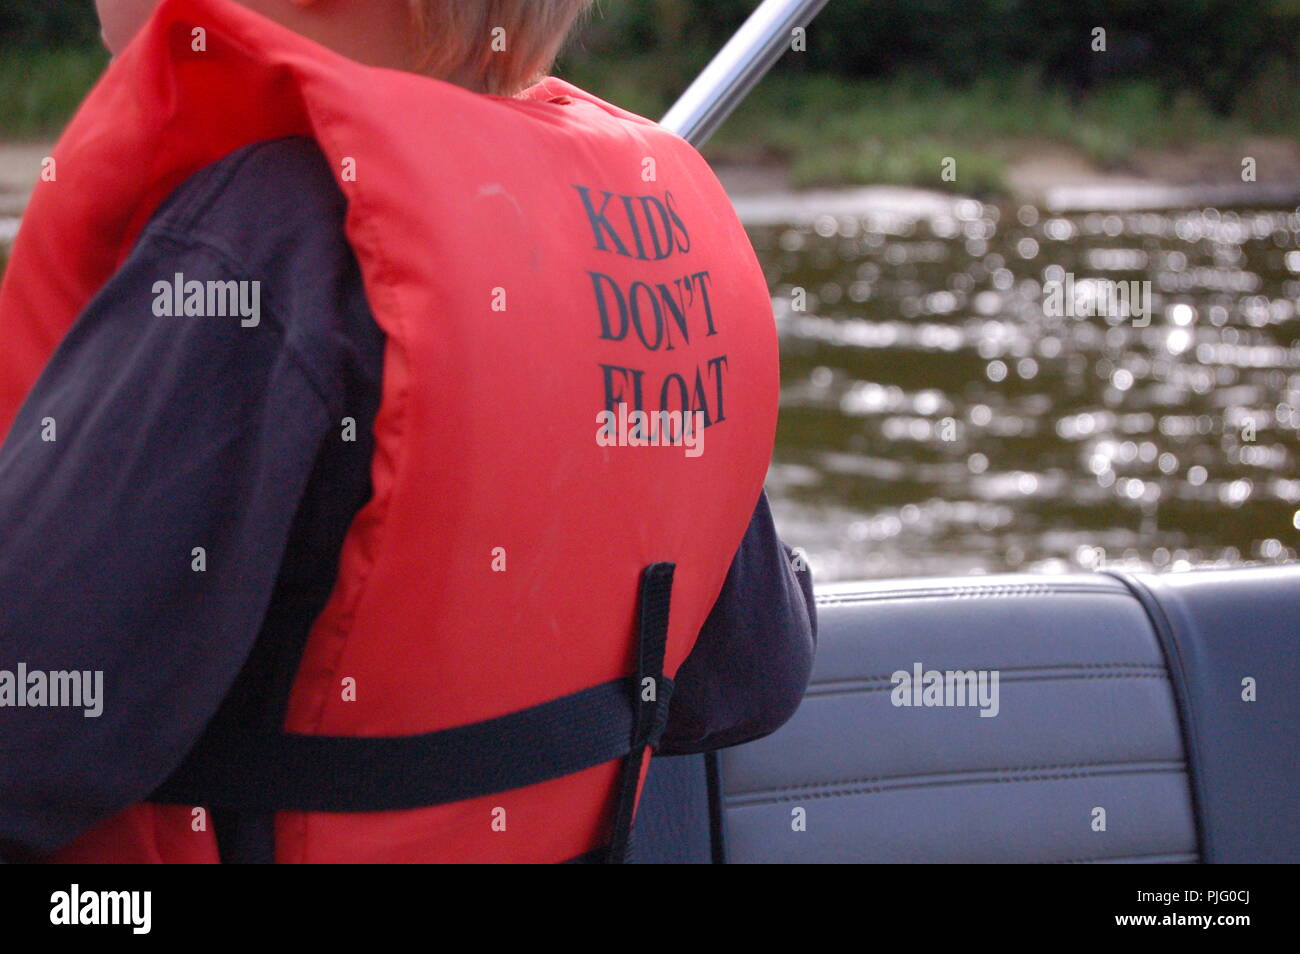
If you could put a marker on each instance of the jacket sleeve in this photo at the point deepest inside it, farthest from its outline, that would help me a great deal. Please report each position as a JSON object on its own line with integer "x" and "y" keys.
{"x": 146, "y": 489}
{"x": 752, "y": 661}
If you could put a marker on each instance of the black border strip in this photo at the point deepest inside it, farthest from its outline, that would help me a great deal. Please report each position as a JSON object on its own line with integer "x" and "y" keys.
{"x": 1167, "y": 637}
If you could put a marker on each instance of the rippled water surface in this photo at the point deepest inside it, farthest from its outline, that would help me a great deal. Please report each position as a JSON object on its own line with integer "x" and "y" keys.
{"x": 939, "y": 415}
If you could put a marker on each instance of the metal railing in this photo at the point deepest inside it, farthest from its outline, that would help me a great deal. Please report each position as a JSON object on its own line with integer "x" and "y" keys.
{"x": 738, "y": 67}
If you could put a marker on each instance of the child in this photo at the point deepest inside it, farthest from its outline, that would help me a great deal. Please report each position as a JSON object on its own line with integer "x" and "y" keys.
{"x": 305, "y": 338}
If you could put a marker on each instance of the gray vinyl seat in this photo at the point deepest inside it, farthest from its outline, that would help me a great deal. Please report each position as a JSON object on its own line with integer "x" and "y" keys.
{"x": 1084, "y": 760}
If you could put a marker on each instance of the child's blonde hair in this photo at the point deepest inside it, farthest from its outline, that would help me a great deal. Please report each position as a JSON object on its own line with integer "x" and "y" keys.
{"x": 498, "y": 46}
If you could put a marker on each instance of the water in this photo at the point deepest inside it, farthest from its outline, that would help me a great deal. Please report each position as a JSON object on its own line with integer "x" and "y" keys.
{"x": 936, "y": 419}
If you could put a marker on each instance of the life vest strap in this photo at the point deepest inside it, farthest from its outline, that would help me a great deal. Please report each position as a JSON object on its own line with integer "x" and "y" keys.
{"x": 320, "y": 773}
{"x": 653, "y": 603}
{"x": 237, "y": 768}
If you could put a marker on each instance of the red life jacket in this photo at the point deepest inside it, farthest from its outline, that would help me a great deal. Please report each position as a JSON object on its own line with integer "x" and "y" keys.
{"x": 533, "y": 261}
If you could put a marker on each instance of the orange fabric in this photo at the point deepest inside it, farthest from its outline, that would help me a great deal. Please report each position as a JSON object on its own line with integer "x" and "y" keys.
{"x": 490, "y": 233}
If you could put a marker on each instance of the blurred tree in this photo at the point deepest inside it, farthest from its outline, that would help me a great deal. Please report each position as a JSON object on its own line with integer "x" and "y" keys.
{"x": 1212, "y": 47}
{"x": 1216, "y": 48}
{"x": 49, "y": 23}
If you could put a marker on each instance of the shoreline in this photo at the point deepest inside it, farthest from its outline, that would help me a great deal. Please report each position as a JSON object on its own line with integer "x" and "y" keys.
{"x": 20, "y": 167}
{"x": 1047, "y": 175}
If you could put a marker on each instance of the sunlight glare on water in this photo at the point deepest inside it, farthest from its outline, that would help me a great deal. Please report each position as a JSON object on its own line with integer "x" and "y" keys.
{"x": 941, "y": 415}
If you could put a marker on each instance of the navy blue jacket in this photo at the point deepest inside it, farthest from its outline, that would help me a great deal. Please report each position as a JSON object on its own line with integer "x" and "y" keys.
{"x": 175, "y": 433}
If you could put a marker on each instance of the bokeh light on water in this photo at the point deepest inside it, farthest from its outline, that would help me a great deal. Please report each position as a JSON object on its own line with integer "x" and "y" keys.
{"x": 937, "y": 419}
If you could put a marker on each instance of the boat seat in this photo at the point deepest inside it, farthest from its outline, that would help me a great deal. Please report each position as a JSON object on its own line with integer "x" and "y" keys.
{"x": 1085, "y": 759}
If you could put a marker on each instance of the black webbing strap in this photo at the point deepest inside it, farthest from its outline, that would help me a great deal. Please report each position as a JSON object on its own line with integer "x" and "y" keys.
{"x": 321, "y": 773}
{"x": 651, "y": 642}
{"x": 241, "y": 768}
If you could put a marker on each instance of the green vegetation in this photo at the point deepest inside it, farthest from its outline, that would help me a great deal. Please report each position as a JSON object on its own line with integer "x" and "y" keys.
{"x": 833, "y": 130}
{"x": 888, "y": 88}
{"x": 43, "y": 87}
{"x": 899, "y": 130}
{"x": 886, "y": 91}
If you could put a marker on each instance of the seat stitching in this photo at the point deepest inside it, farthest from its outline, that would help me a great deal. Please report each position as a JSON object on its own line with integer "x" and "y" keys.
{"x": 971, "y": 592}
{"x": 1038, "y": 773}
{"x": 881, "y": 683}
